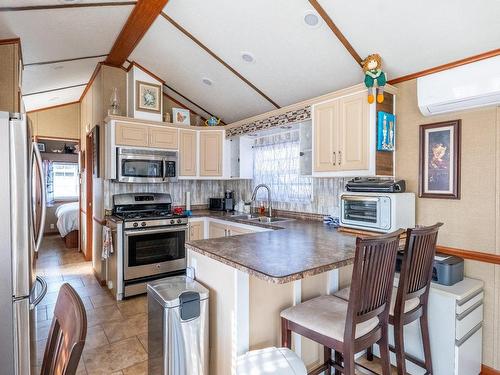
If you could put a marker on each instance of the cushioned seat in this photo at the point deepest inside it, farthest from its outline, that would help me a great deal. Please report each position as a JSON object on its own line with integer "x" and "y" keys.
{"x": 409, "y": 305}
{"x": 326, "y": 315}
{"x": 270, "y": 361}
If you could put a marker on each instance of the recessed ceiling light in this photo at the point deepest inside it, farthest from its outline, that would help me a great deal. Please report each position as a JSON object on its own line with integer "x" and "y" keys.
{"x": 311, "y": 19}
{"x": 247, "y": 57}
{"x": 207, "y": 81}
{"x": 69, "y": 1}
{"x": 58, "y": 67}
{"x": 53, "y": 99}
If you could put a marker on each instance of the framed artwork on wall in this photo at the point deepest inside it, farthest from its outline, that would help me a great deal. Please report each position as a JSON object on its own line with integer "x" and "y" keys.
{"x": 181, "y": 116}
{"x": 148, "y": 97}
{"x": 386, "y": 131}
{"x": 439, "y": 160}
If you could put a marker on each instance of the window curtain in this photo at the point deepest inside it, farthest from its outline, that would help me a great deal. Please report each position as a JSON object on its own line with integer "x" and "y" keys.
{"x": 277, "y": 164}
{"x": 49, "y": 180}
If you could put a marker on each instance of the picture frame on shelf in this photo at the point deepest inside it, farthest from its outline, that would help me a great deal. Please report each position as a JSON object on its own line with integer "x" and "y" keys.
{"x": 41, "y": 146}
{"x": 181, "y": 116}
{"x": 439, "y": 160}
{"x": 386, "y": 131}
{"x": 148, "y": 97}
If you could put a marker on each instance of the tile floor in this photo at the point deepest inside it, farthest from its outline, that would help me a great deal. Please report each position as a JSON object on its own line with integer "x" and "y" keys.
{"x": 117, "y": 342}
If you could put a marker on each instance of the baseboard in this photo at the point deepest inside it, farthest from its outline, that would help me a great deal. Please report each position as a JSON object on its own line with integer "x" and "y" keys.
{"x": 486, "y": 370}
{"x": 101, "y": 282}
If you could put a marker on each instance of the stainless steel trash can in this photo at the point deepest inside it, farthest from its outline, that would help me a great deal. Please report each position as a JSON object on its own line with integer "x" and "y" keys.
{"x": 177, "y": 327}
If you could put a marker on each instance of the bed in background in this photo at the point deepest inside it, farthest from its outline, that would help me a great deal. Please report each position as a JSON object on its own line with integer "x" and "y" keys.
{"x": 68, "y": 216}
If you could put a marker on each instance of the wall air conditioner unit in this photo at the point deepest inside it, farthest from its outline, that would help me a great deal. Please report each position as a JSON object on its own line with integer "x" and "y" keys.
{"x": 468, "y": 86}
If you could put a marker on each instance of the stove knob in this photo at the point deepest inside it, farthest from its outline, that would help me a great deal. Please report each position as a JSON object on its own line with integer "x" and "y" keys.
{"x": 172, "y": 221}
{"x": 143, "y": 224}
{"x": 179, "y": 221}
{"x": 135, "y": 225}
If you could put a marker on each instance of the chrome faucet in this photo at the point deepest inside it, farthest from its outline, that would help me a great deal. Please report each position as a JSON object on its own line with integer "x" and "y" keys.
{"x": 269, "y": 203}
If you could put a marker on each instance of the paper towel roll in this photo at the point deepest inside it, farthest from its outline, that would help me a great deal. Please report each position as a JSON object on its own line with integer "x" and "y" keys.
{"x": 188, "y": 201}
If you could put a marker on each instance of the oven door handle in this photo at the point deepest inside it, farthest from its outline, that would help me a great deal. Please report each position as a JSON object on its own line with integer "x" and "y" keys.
{"x": 359, "y": 198}
{"x": 140, "y": 232}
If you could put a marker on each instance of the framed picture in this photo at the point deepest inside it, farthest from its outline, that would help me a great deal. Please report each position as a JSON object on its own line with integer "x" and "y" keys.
{"x": 41, "y": 146}
{"x": 148, "y": 97}
{"x": 439, "y": 172}
{"x": 386, "y": 131}
{"x": 181, "y": 116}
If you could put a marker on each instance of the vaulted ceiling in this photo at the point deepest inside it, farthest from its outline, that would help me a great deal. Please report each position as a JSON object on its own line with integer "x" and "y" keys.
{"x": 198, "y": 47}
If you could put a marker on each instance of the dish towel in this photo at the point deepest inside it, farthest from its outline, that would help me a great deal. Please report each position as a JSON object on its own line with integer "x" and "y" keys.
{"x": 107, "y": 242}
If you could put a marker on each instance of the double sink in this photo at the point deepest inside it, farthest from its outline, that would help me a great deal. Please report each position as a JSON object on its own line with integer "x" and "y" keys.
{"x": 261, "y": 219}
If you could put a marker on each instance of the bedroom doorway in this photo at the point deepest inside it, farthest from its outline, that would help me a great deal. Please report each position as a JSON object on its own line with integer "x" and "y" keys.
{"x": 61, "y": 171}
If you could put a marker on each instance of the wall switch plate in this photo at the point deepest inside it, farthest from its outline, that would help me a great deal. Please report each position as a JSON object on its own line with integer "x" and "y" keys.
{"x": 52, "y": 226}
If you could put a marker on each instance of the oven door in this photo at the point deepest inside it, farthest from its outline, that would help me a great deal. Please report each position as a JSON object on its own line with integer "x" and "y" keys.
{"x": 141, "y": 168}
{"x": 155, "y": 251}
{"x": 366, "y": 212}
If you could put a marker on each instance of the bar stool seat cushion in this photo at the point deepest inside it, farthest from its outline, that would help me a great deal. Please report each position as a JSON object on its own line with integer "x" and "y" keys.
{"x": 270, "y": 361}
{"x": 409, "y": 305}
{"x": 326, "y": 315}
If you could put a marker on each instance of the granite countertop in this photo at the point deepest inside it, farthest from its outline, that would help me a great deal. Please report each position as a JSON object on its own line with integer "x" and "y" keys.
{"x": 291, "y": 251}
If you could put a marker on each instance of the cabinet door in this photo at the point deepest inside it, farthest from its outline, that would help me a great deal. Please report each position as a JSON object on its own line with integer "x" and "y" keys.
{"x": 326, "y": 117}
{"x": 234, "y": 230}
{"x": 211, "y": 153}
{"x": 167, "y": 138}
{"x": 196, "y": 231}
{"x": 187, "y": 153}
{"x": 131, "y": 135}
{"x": 217, "y": 230}
{"x": 353, "y": 149}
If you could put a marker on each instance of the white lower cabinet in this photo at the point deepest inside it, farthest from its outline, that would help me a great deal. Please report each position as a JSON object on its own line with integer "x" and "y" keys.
{"x": 455, "y": 329}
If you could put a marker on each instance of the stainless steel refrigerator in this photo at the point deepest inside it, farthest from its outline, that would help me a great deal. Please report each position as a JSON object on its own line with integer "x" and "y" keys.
{"x": 20, "y": 289}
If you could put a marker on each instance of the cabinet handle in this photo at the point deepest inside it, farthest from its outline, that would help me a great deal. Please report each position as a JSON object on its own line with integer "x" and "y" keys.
{"x": 340, "y": 157}
{"x": 334, "y": 158}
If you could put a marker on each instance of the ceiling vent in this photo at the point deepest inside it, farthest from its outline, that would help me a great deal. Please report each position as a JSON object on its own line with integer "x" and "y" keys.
{"x": 468, "y": 86}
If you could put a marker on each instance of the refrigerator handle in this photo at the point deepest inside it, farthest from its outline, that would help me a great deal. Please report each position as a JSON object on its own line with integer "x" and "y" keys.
{"x": 43, "y": 292}
{"x": 38, "y": 159}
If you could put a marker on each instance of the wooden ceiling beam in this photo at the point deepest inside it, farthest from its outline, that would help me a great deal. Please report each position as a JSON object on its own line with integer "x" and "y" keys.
{"x": 348, "y": 46}
{"x": 140, "y": 20}
{"x": 65, "y": 6}
{"x": 451, "y": 65}
{"x": 211, "y": 53}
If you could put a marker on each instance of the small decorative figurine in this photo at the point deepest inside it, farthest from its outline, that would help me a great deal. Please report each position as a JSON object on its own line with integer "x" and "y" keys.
{"x": 372, "y": 66}
{"x": 212, "y": 121}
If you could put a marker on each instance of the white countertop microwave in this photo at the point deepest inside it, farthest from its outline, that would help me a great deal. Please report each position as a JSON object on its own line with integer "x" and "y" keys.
{"x": 381, "y": 212}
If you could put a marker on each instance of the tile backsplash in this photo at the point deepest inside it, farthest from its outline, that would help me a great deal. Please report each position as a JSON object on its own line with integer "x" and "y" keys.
{"x": 326, "y": 192}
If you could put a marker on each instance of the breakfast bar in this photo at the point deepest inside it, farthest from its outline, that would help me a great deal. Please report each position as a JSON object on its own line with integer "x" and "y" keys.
{"x": 253, "y": 277}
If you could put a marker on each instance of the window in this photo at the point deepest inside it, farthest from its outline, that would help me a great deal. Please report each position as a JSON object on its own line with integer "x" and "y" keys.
{"x": 65, "y": 180}
{"x": 277, "y": 164}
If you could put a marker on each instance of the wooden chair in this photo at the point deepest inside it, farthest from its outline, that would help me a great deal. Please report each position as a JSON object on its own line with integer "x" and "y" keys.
{"x": 67, "y": 334}
{"x": 410, "y": 299}
{"x": 353, "y": 326}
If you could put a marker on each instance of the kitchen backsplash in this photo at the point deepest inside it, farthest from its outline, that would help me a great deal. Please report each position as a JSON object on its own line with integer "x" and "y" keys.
{"x": 326, "y": 192}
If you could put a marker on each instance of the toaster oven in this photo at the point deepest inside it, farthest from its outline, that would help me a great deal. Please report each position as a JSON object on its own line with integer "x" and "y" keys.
{"x": 381, "y": 212}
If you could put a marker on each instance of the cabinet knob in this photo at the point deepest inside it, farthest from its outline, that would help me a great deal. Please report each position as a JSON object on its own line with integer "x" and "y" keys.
{"x": 334, "y": 158}
{"x": 340, "y": 157}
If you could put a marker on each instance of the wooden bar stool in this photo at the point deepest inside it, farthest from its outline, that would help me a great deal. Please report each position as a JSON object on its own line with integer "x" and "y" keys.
{"x": 410, "y": 298}
{"x": 270, "y": 361}
{"x": 350, "y": 327}
{"x": 67, "y": 334}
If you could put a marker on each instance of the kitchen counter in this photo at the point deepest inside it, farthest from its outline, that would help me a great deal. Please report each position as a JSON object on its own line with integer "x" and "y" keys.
{"x": 291, "y": 251}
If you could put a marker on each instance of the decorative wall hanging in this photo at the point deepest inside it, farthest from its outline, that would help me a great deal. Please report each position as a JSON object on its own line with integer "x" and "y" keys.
{"x": 372, "y": 67}
{"x": 95, "y": 152}
{"x": 41, "y": 146}
{"x": 386, "y": 131}
{"x": 439, "y": 173}
{"x": 148, "y": 97}
{"x": 181, "y": 116}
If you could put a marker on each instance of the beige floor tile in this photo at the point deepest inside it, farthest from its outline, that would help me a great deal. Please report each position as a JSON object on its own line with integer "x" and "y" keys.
{"x": 103, "y": 300}
{"x": 122, "y": 329}
{"x": 102, "y": 315}
{"x": 39, "y": 351}
{"x": 42, "y": 330}
{"x": 143, "y": 338}
{"x": 41, "y": 314}
{"x": 133, "y": 306}
{"x": 114, "y": 357}
{"x": 138, "y": 369}
{"x": 54, "y": 286}
{"x": 95, "y": 338}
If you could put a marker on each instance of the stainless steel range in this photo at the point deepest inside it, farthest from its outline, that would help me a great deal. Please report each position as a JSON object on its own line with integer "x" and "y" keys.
{"x": 153, "y": 239}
